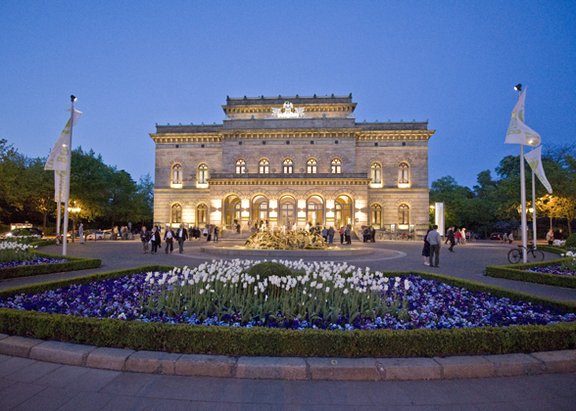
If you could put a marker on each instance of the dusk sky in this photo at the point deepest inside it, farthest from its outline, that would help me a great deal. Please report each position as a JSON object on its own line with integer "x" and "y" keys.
{"x": 133, "y": 64}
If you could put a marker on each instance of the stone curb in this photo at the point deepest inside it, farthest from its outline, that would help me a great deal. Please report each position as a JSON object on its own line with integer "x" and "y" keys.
{"x": 290, "y": 368}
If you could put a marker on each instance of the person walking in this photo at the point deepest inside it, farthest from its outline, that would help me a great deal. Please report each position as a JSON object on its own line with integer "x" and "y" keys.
{"x": 451, "y": 239}
{"x": 145, "y": 238}
{"x": 169, "y": 238}
{"x": 433, "y": 238}
{"x": 342, "y": 233}
{"x": 181, "y": 236}
{"x": 156, "y": 239}
{"x": 426, "y": 248}
{"x": 331, "y": 232}
{"x": 348, "y": 234}
{"x": 81, "y": 233}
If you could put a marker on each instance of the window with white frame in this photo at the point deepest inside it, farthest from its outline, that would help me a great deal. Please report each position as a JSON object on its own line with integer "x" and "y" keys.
{"x": 311, "y": 166}
{"x": 176, "y": 176}
{"x": 240, "y": 167}
{"x": 336, "y": 166}
{"x": 403, "y": 214}
{"x": 403, "y": 175}
{"x": 202, "y": 175}
{"x": 176, "y": 214}
{"x": 264, "y": 166}
{"x": 376, "y": 173}
{"x": 288, "y": 166}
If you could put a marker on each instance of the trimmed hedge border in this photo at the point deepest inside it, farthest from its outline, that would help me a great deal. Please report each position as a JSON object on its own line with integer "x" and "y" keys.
{"x": 182, "y": 338}
{"x": 518, "y": 272}
{"x": 552, "y": 249}
{"x": 71, "y": 264}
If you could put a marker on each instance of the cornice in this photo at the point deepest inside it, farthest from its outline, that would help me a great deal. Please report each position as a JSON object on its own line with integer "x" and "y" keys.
{"x": 178, "y": 138}
{"x": 289, "y": 182}
{"x": 380, "y": 135}
{"x": 282, "y": 134}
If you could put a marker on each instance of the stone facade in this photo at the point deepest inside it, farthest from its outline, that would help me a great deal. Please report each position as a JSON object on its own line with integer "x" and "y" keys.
{"x": 292, "y": 161}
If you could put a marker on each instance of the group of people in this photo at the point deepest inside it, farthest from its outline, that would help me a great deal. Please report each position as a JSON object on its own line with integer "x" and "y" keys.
{"x": 152, "y": 239}
{"x": 433, "y": 240}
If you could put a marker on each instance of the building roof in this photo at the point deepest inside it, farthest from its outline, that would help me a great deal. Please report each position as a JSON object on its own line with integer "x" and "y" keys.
{"x": 263, "y": 100}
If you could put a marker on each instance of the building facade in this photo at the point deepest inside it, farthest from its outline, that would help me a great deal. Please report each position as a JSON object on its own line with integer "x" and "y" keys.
{"x": 293, "y": 161}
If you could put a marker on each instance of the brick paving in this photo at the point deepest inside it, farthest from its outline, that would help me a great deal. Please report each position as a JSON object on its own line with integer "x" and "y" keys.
{"x": 47, "y": 375}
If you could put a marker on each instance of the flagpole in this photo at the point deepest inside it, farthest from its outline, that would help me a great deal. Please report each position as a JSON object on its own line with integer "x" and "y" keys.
{"x": 534, "y": 208}
{"x": 67, "y": 185}
{"x": 523, "y": 225}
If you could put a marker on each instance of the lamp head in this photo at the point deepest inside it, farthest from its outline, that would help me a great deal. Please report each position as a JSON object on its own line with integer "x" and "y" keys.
{"x": 518, "y": 87}
{"x": 73, "y": 98}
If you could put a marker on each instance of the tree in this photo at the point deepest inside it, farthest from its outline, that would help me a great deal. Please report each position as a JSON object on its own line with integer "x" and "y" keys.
{"x": 12, "y": 166}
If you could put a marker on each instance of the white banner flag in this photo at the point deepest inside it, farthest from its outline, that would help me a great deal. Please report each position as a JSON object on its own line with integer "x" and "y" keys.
{"x": 518, "y": 132}
{"x": 58, "y": 158}
{"x": 534, "y": 160}
{"x": 60, "y": 185}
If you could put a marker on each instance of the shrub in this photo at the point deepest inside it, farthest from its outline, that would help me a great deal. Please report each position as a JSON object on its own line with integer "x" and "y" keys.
{"x": 571, "y": 242}
{"x": 268, "y": 268}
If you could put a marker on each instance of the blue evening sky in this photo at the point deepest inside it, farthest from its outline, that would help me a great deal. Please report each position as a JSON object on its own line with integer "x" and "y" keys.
{"x": 136, "y": 63}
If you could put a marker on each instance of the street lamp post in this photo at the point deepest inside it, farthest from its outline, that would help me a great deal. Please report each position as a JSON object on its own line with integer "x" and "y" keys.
{"x": 75, "y": 211}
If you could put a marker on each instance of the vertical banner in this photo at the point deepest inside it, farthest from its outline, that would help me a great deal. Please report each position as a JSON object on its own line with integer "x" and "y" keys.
{"x": 439, "y": 217}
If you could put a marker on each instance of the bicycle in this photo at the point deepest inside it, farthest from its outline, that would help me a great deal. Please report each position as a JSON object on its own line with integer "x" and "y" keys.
{"x": 533, "y": 254}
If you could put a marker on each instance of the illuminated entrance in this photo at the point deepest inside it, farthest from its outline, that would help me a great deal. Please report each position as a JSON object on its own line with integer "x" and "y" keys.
{"x": 315, "y": 210}
{"x": 287, "y": 209}
{"x": 343, "y": 210}
{"x": 232, "y": 210}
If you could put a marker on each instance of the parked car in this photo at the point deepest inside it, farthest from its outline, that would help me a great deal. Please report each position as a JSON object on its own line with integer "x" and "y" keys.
{"x": 496, "y": 236}
{"x": 99, "y": 235}
{"x": 23, "y": 233}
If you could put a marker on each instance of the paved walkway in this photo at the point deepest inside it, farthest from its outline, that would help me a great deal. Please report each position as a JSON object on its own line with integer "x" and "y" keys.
{"x": 30, "y": 384}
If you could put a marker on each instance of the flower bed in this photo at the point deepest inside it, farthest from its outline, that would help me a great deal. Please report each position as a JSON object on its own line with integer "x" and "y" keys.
{"x": 325, "y": 296}
{"x": 20, "y": 260}
{"x": 419, "y": 315}
{"x": 557, "y": 272}
{"x": 34, "y": 261}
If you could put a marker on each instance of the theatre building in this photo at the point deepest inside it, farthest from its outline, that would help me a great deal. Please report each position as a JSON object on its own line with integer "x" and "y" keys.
{"x": 293, "y": 161}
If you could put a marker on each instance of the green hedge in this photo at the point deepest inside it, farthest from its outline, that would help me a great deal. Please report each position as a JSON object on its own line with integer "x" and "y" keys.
{"x": 552, "y": 249}
{"x": 71, "y": 264}
{"x": 519, "y": 272}
{"x": 182, "y": 338}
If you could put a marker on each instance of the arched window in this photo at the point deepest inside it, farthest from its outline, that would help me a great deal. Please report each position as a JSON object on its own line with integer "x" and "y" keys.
{"x": 287, "y": 166}
{"x": 376, "y": 173}
{"x": 176, "y": 176}
{"x": 201, "y": 215}
{"x": 264, "y": 166}
{"x": 403, "y": 214}
{"x": 176, "y": 214}
{"x": 202, "y": 175}
{"x": 336, "y": 166}
{"x": 311, "y": 166}
{"x": 403, "y": 175}
{"x": 240, "y": 167}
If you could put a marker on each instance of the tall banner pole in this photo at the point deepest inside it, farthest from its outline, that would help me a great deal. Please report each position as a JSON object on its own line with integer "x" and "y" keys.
{"x": 58, "y": 211}
{"x": 534, "y": 236}
{"x": 523, "y": 224}
{"x": 67, "y": 185}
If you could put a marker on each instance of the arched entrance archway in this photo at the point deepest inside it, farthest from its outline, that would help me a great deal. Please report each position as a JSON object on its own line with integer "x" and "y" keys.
{"x": 287, "y": 211}
{"x": 315, "y": 210}
{"x": 260, "y": 210}
{"x": 232, "y": 211}
{"x": 343, "y": 211}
